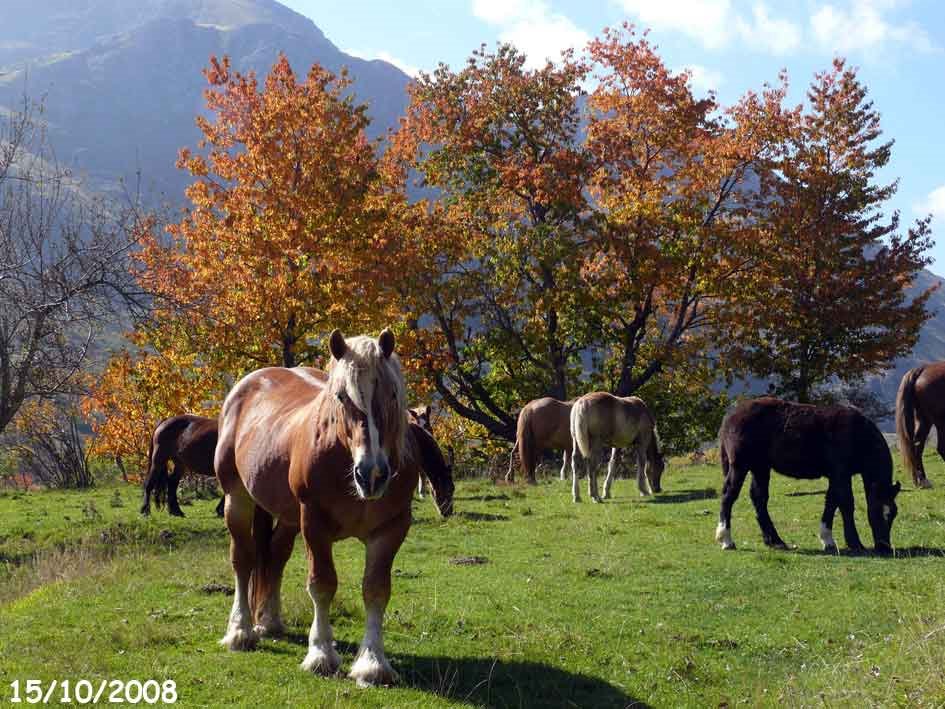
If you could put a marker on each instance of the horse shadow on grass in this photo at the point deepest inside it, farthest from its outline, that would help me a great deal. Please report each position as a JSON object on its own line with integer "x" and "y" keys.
{"x": 680, "y": 496}
{"x": 481, "y": 516}
{"x": 491, "y": 682}
{"x": 900, "y": 554}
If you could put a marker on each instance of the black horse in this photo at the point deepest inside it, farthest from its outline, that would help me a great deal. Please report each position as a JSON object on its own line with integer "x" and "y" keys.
{"x": 804, "y": 441}
{"x": 189, "y": 442}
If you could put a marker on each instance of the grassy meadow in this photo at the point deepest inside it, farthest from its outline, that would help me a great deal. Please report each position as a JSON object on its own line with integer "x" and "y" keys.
{"x": 627, "y": 603}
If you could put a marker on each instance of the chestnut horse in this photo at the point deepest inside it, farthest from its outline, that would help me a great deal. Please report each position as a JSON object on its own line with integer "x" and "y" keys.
{"x": 807, "y": 442}
{"x": 599, "y": 419}
{"x": 920, "y": 404}
{"x": 542, "y": 424}
{"x": 333, "y": 460}
{"x": 188, "y": 441}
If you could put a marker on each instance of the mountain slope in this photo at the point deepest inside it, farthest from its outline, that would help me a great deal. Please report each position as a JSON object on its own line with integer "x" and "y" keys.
{"x": 123, "y": 80}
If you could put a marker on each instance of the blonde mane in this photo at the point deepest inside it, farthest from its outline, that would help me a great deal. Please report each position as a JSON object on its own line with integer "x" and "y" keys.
{"x": 364, "y": 356}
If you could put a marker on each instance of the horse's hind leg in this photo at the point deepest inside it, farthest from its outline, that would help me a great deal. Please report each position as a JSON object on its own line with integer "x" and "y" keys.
{"x": 269, "y": 602}
{"x": 371, "y": 666}
{"x": 575, "y": 488}
{"x": 221, "y": 506}
{"x": 921, "y": 438}
{"x": 420, "y": 486}
{"x": 238, "y": 513}
{"x": 592, "y": 490}
{"x": 611, "y": 470}
{"x": 760, "y": 482}
{"x": 321, "y": 657}
{"x": 565, "y": 464}
{"x": 157, "y": 471}
{"x": 731, "y": 488}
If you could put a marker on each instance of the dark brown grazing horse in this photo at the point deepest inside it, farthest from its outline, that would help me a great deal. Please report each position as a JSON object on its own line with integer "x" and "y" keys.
{"x": 808, "y": 442}
{"x": 333, "y": 460}
{"x": 189, "y": 442}
{"x": 920, "y": 404}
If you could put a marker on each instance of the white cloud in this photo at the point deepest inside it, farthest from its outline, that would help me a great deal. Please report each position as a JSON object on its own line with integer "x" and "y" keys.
{"x": 862, "y": 25}
{"x": 532, "y": 27}
{"x": 408, "y": 69}
{"x": 717, "y": 24}
{"x": 934, "y": 204}
{"x": 703, "y": 78}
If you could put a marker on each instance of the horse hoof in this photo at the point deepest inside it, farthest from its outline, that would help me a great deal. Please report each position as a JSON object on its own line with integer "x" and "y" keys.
{"x": 780, "y": 546}
{"x": 321, "y": 661}
{"x": 176, "y": 513}
{"x": 269, "y": 629}
{"x": 728, "y": 546}
{"x": 831, "y": 549}
{"x": 857, "y": 551}
{"x": 924, "y": 484}
{"x": 240, "y": 640}
{"x": 372, "y": 670}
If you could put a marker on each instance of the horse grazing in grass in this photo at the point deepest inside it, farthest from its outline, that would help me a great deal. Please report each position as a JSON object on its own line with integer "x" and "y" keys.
{"x": 920, "y": 404}
{"x": 807, "y": 442}
{"x": 189, "y": 442}
{"x": 599, "y": 419}
{"x": 333, "y": 460}
{"x": 420, "y": 418}
{"x": 542, "y": 424}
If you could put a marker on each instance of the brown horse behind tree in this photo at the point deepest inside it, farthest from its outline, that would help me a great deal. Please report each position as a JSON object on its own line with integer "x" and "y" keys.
{"x": 543, "y": 424}
{"x": 920, "y": 404}
{"x": 333, "y": 460}
{"x": 188, "y": 441}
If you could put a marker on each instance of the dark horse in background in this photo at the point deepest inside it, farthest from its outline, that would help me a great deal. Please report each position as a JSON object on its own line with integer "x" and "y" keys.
{"x": 807, "y": 442}
{"x": 189, "y": 442}
{"x": 920, "y": 404}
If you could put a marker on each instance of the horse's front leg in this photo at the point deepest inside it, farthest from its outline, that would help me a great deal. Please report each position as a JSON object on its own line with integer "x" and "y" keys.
{"x": 760, "y": 482}
{"x": 420, "y": 486}
{"x": 826, "y": 520}
{"x": 844, "y": 497}
{"x": 611, "y": 469}
{"x": 321, "y": 657}
{"x": 371, "y": 666}
{"x": 643, "y": 485}
{"x": 173, "y": 482}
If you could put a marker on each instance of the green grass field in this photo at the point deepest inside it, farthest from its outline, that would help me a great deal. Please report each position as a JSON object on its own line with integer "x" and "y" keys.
{"x": 628, "y": 602}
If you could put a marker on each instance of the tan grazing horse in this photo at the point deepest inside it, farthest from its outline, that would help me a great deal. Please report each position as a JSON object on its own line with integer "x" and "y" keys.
{"x": 920, "y": 404}
{"x": 334, "y": 460}
{"x": 600, "y": 419}
{"x": 542, "y": 424}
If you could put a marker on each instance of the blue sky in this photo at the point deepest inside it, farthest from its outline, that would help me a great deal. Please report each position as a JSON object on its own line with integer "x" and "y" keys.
{"x": 730, "y": 45}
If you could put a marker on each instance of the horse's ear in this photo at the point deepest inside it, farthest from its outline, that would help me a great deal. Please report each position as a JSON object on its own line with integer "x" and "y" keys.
{"x": 337, "y": 344}
{"x": 896, "y": 488}
{"x": 386, "y": 341}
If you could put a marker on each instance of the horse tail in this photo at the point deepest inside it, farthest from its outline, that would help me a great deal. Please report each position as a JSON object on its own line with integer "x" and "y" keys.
{"x": 156, "y": 480}
{"x": 259, "y": 578}
{"x": 525, "y": 442}
{"x": 905, "y": 420}
{"x": 579, "y": 430}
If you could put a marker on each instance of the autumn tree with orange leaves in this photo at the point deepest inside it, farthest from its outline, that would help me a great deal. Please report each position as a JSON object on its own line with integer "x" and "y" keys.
{"x": 827, "y": 300}
{"x": 288, "y": 235}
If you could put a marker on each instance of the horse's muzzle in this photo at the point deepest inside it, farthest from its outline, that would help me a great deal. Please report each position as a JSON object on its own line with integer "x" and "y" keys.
{"x": 371, "y": 478}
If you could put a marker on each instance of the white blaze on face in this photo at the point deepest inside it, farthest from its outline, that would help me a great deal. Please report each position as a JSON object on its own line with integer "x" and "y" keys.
{"x": 360, "y": 390}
